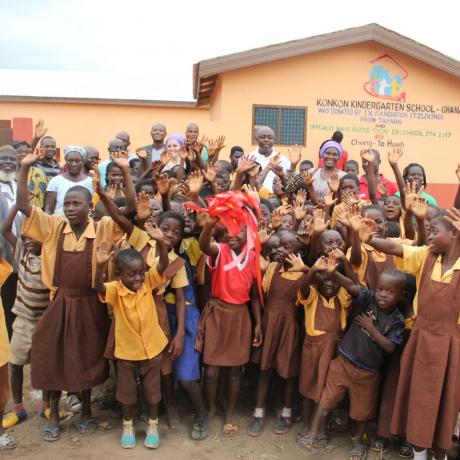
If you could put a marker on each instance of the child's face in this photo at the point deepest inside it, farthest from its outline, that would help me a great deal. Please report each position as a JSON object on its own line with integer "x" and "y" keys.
{"x": 388, "y": 292}
{"x": 172, "y": 232}
{"x": 350, "y": 168}
{"x": 238, "y": 241}
{"x": 32, "y": 246}
{"x": 265, "y": 213}
{"x": 76, "y": 207}
{"x": 114, "y": 176}
{"x": 156, "y": 207}
{"x": 415, "y": 174}
{"x": 330, "y": 240}
{"x": 440, "y": 238}
{"x": 348, "y": 185}
{"x": 393, "y": 208}
{"x": 222, "y": 185}
{"x": 431, "y": 213}
{"x": 277, "y": 186}
{"x": 287, "y": 221}
{"x": 271, "y": 248}
{"x": 379, "y": 220}
{"x": 326, "y": 285}
{"x": 148, "y": 189}
{"x": 288, "y": 245}
{"x": 189, "y": 217}
{"x": 132, "y": 275}
{"x": 137, "y": 169}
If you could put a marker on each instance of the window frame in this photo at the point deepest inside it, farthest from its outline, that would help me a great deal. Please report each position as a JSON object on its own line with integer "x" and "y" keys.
{"x": 279, "y": 107}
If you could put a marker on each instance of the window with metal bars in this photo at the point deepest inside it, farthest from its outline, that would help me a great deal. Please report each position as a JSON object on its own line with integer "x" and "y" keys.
{"x": 288, "y": 123}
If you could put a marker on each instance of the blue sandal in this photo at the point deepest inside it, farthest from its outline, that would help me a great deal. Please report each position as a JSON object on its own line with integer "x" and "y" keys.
{"x": 51, "y": 434}
{"x": 88, "y": 427}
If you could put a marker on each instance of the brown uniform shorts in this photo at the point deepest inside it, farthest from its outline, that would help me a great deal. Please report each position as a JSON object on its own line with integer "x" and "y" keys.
{"x": 362, "y": 387}
{"x": 149, "y": 370}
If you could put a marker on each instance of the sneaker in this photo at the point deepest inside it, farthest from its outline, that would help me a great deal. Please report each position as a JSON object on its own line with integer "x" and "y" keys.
{"x": 13, "y": 418}
{"x": 200, "y": 428}
{"x": 152, "y": 435}
{"x": 282, "y": 425}
{"x": 255, "y": 429}
{"x": 128, "y": 438}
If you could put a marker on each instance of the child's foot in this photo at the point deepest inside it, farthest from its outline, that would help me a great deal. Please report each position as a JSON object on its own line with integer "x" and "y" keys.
{"x": 7, "y": 442}
{"x": 128, "y": 438}
{"x": 358, "y": 452}
{"x": 405, "y": 450}
{"x": 13, "y": 418}
{"x": 51, "y": 433}
{"x": 86, "y": 427}
{"x": 171, "y": 415}
{"x": 231, "y": 426}
{"x": 282, "y": 425}
{"x": 152, "y": 435}
{"x": 45, "y": 413}
{"x": 256, "y": 427}
{"x": 378, "y": 445}
{"x": 200, "y": 428}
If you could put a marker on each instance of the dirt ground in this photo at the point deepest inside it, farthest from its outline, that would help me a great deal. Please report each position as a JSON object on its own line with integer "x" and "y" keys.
{"x": 175, "y": 444}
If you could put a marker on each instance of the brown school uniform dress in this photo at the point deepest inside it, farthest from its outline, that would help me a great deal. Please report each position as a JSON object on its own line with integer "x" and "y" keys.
{"x": 280, "y": 347}
{"x": 428, "y": 396}
{"x": 68, "y": 342}
{"x": 319, "y": 350}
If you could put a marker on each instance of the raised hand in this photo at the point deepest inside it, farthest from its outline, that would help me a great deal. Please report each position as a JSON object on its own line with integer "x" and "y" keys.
{"x": 367, "y": 230}
{"x": 156, "y": 166}
{"x": 275, "y": 160}
{"x": 304, "y": 232}
{"x": 277, "y": 215}
{"x": 300, "y": 212}
{"x": 154, "y": 231}
{"x": 453, "y": 218}
{"x": 195, "y": 182}
{"x": 296, "y": 262}
{"x": 165, "y": 158}
{"x": 252, "y": 192}
{"x": 97, "y": 187}
{"x": 300, "y": 197}
{"x": 368, "y": 155}
{"x": 121, "y": 160}
{"x": 215, "y": 146}
{"x": 395, "y": 155}
{"x": 143, "y": 207}
{"x": 163, "y": 183}
{"x": 419, "y": 207}
{"x": 264, "y": 234}
{"x": 141, "y": 153}
{"x": 183, "y": 190}
{"x": 31, "y": 158}
{"x": 295, "y": 155}
{"x": 320, "y": 265}
{"x": 103, "y": 253}
{"x": 210, "y": 174}
{"x": 354, "y": 218}
{"x": 337, "y": 255}
{"x": 410, "y": 193}
{"x": 333, "y": 182}
{"x": 278, "y": 170}
{"x": 263, "y": 263}
{"x": 40, "y": 130}
{"x": 320, "y": 221}
{"x": 245, "y": 164}
{"x": 329, "y": 199}
{"x": 350, "y": 198}
{"x": 183, "y": 153}
{"x": 332, "y": 264}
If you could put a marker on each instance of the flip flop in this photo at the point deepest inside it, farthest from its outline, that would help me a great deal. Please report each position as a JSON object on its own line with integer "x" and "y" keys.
{"x": 85, "y": 428}
{"x": 230, "y": 429}
{"x": 13, "y": 418}
{"x": 51, "y": 434}
{"x": 7, "y": 442}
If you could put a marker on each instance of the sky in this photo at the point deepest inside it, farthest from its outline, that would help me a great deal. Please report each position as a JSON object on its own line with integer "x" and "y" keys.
{"x": 145, "y": 49}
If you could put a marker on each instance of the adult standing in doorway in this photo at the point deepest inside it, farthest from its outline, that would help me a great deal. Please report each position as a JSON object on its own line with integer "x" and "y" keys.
{"x": 265, "y": 138}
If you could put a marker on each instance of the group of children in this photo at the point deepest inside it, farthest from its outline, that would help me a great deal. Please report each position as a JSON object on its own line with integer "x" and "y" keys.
{"x": 337, "y": 296}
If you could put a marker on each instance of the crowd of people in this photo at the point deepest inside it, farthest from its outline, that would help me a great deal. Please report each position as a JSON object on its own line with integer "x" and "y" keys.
{"x": 181, "y": 269}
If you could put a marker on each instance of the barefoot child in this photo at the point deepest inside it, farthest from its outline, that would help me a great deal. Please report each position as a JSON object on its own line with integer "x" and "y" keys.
{"x": 69, "y": 340}
{"x": 224, "y": 333}
{"x": 325, "y": 307}
{"x": 280, "y": 349}
{"x": 139, "y": 340}
{"x": 32, "y": 298}
{"x": 7, "y": 441}
{"x": 374, "y": 333}
{"x": 429, "y": 382}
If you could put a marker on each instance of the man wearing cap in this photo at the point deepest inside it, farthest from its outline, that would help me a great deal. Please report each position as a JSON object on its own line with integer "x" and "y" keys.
{"x": 265, "y": 138}
{"x": 75, "y": 174}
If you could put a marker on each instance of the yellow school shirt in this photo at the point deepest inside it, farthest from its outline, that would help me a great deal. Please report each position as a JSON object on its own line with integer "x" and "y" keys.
{"x": 268, "y": 276}
{"x": 138, "y": 240}
{"x": 360, "y": 270}
{"x": 311, "y": 302}
{"x": 5, "y": 271}
{"x": 138, "y": 335}
{"x": 46, "y": 229}
{"x": 413, "y": 261}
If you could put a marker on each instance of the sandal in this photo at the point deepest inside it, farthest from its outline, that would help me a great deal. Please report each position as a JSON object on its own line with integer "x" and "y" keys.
{"x": 230, "y": 429}
{"x": 358, "y": 452}
{"x": 255, "y": 429}
{"x": 85, "y": 428}
{"x": 7, "y": 442}
{"x": 152, "y": 435}
{"x": 405, "y": 450}
{"x": 13, "y": 418}
{"x": 378, "y": 445}
{"x": 200, "y": 428}
{"x": 128, "y": 437}
{"x": 51, "y": 434}
{"x": 306, "y": 441}
{"x": 282, "y": 425}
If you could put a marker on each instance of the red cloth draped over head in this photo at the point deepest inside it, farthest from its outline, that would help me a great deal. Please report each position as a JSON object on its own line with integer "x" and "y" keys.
{"x": 235, "y": 209}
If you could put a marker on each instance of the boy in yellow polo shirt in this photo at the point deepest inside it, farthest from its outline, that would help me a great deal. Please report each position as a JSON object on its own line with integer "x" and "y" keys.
{"x": 139, "y": 339}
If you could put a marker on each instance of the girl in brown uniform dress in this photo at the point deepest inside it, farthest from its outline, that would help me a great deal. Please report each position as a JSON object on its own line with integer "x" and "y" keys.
{"x": 428, "y": 395}
{"x": 280, "y": 349}
{"x": 68, "y": 342}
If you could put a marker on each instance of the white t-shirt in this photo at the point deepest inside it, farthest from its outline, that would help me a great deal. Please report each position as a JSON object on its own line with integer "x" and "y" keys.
{"x": 264, "y": 161}
{"x": 60, "y": 185}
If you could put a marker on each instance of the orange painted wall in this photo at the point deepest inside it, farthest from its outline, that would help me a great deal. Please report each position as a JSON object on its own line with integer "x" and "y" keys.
{"x": 335, "y": 74}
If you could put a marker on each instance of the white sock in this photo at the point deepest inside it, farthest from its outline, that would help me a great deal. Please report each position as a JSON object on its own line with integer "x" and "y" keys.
{"x": 420, "y": 455}
{"x": 259, "y": 412}
{"x": 287, "y": 412}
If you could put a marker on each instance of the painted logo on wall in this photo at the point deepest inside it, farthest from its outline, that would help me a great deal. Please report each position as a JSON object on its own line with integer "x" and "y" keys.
{"x": 386, "y": 79}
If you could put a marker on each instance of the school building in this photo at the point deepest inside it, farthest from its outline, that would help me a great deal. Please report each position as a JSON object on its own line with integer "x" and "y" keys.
{"x": 380, "y": 88}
